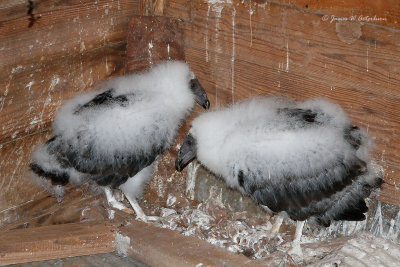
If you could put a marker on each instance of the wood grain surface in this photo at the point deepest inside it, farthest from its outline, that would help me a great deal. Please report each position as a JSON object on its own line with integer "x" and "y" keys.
{"x": 239, "y": 50}
{"x": 55, "y": 241}
{"x": 16, "y": 185}
{"x": 159, "y": 247}
{"x": 380, "y": 12}
{"x": 152, "y": 39}
{"x": 70, "y": 46}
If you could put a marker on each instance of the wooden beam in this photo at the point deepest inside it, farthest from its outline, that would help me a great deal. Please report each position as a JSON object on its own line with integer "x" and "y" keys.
{"x": 55, "y": 241}
{"x": 78, "y": 205}
{"x": 162, "y": 247}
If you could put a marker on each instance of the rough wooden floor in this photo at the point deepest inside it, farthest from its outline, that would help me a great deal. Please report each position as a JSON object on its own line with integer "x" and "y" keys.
{"x": 98, "y": 260}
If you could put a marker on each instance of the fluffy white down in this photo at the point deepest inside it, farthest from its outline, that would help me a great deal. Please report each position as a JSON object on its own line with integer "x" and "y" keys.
{"x": 158, "y": 100}
{"x": 252, "y": 135}
{"x": 134, "y": 188}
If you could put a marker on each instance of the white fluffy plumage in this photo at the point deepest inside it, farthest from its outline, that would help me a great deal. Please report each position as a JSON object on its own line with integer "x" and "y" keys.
{"x": 302, "y": 158}
{"x": 112, "y": 135}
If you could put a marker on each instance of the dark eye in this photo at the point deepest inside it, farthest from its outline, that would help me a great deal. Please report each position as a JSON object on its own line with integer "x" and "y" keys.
{"x": 192, "y": 85}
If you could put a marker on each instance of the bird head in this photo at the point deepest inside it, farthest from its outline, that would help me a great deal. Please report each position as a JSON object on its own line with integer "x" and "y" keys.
{"x": 187, "y": 153}
{"x": 199, "y": 93}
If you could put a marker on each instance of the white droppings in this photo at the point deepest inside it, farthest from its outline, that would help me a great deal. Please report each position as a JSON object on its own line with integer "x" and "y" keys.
{"x": 165, "y": 212}
{"x": 383, "y": 156}
{"x": 29, "y": 85}
{"x": 377, "y": 222}
{"x": 54, "y": 81}
{"x": 3, "y": 98}
{"x": 82, "y": 47}
{"x": 111, "y": 214}
{"x": 48, "y": 44}
{"x": 14, "y": 135}
{"x": 168, "y": 50}
{"x": 106, "y": 11}
{"x": 218, "y": 5}
{"x": 171, "y": 200}
{"x": 107, "y": 65}
{"x": 287, "y": 55}
{"x": 122, "y": 244}
{"x": 191, "y": 179}
{"x": 84, "y": 211}
{"x": 206, "y": 37}
{"x": 233, "y": 55}
{"x": 35, "y": 121}
{"x": 16, "y": 69}
{"x": 367, "y": 57}
{"x": 149, "y": 50}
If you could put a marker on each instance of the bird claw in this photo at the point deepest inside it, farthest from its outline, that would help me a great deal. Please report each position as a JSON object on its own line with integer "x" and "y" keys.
{"x": 296, "y": 250}
{"x": 129, "y": 211}
{"x": 146, "y": 218}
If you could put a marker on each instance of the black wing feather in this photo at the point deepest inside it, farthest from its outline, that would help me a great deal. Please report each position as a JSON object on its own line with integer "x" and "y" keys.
{"x": 306, "y": 115}
{"x": 102, "y": 172}
{"x": 103, "y": 99}
{"x": 302, "y": 191}
{"x": 57, "y": 177}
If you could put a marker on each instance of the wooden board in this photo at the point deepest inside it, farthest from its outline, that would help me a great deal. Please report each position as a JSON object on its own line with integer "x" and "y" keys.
{"x": 36, "y": 91}
{"x": 152, "y": 39}
{"x": 380, "y": 12}
{"x": 70, "y": 46}
{"x": 78, "y": 205}
{"x": 98, "y": 260}
{"x": 162, "y": 247}
{"x": 278, "y": 49}
{"x": 55, "y": 241}
{"x": 15, "y": 183}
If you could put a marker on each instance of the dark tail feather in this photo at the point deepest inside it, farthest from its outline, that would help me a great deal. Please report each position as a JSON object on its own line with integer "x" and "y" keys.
{"x": 57, "y": 177}
{"x": 353, "y": 136}
{"x": 354, "y": 212}
{"x": 114, "y": 180}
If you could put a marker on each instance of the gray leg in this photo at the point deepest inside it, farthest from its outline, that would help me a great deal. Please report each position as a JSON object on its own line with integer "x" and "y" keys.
{"x": 115, "y": 203}
{"x": 296, "y": 249}
{"x": 139, "y": 212}
{"x": 277, "y": 225}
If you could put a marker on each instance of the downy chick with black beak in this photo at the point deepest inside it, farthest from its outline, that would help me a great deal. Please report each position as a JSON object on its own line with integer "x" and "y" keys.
{"x": 305, "y": 159}
{"x": 113, "y": 136}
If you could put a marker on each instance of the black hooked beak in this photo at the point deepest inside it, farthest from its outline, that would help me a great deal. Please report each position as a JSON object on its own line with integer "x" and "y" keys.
{"x": 187, "y": 153}
{"x": 200, "y": 94}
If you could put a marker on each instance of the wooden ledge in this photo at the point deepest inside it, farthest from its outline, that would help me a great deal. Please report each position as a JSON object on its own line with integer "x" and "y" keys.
{"x": 55, "y": 241}
{"x": 163, "y": 247}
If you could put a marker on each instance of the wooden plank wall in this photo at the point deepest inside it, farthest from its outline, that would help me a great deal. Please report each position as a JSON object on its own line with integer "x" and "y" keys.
{"x": 380, "y": 12}
{"x": 240, "y": 49}
{"x": 50, "y": 50}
